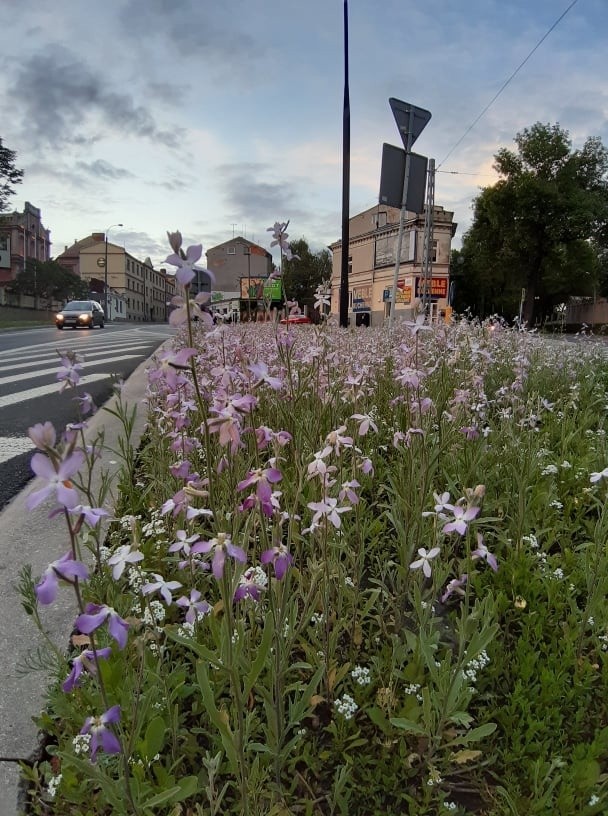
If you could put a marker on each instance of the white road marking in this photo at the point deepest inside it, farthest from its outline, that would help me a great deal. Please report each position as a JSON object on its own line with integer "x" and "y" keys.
{"x": 43, "y": 390}
{"x": 44, "y": 372}
{"x": 11, "y": 446}
{"x": 53, "y": 358}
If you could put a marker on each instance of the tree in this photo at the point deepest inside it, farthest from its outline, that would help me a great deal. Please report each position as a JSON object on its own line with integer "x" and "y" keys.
{"x": 9, "y": 175}
{"x": 51, "y": 281}
{"x": 302, "y": 275}
{"x": 532, "y": 230}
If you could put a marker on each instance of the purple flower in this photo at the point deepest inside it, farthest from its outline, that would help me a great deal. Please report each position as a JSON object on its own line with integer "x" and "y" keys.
{"x": 85, "y": 660}
{"x": 252, "y": 582}
{"x": 95, "y": 616}
{"x": 87, "y": 406}
{"x": 456, "y": 585}
{"x": 184, "y": 542}
{"x": 69, "y": 373}
{"x": 279, "y": 557}
{"x": 185, "y": 262}
{"x": 262, "y": 478}
{"x": 165, "y": 588}
{"x": 195, "y": 608}
{"x": 57, "y": 478}
{"x": 101, "y": 736}
{"x": 221, "y": 546}
{"x": 43, "y": 435}
{"x": 66, "y": 569}
{"x": 461, "y": 518}
{"x": 483, "y": 553}
{"x": 92, "y": 515}
{"x": 260, "y": 370}
{"x": 425, "y": 560}
{"x": 329, "y": 509}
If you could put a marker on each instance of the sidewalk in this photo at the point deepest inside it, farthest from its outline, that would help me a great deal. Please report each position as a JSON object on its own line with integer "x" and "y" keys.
{"x": 30, "y": 538}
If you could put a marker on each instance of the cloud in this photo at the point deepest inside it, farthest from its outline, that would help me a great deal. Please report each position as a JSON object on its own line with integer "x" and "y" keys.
{"x": 64, "y": 102}
{"x": 103, "y": 170}
{"x": 247, "y": 189}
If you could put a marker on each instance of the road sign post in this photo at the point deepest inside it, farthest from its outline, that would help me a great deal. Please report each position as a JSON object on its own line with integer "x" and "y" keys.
{"x": 411, "y": 121}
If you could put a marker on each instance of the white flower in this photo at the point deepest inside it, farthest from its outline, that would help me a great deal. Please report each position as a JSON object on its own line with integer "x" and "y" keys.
{"x": 595, "y": 477}
{"x": 425, "y": 560}
{"x": 361, "y": 675}
{"x": 54, "y": 783}
{"x": 121, "y": 557}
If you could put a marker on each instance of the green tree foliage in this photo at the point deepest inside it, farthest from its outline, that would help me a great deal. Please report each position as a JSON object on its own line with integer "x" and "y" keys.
{"x": 302, "y": 275}
{"x": 49, "y": 280}
{"x": 533, "y": 229}
{"x": 9, "y": 175}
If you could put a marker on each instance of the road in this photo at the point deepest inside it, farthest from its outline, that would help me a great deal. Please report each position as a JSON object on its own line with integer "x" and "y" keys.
{"x": 29, "y": 391}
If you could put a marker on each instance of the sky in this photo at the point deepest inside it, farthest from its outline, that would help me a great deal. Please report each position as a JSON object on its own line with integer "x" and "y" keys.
{"x": 220, "y": 118}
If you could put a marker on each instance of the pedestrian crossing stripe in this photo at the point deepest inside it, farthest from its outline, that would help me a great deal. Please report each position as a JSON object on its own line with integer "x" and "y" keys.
{"x": 43, "y": 390}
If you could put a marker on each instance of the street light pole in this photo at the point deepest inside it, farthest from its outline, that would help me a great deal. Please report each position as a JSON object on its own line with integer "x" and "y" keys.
{"x": 105, "y": 272}
{"x": 248, "y": 254}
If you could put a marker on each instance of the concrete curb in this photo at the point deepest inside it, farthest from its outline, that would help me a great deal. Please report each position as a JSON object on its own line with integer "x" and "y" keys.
{"x": 28, "y": 537}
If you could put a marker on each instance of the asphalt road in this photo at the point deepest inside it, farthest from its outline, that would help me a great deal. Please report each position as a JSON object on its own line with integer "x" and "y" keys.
{"x": 29, "y": 391}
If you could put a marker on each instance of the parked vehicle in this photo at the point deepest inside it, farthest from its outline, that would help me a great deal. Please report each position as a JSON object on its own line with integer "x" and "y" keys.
{"x": 85, "y": 313}
{"x": 295, "y": 319}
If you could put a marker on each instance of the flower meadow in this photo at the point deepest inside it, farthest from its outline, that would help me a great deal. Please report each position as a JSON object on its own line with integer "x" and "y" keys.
{"x": 350, "y": 572}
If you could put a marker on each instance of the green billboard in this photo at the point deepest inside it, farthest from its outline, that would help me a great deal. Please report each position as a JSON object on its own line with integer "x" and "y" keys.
{"x": 273, "y": 290}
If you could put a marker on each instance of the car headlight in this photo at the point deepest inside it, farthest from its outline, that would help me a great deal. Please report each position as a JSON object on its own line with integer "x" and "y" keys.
{"x": 84, "y": 317}
{"x": 59, "y": 317}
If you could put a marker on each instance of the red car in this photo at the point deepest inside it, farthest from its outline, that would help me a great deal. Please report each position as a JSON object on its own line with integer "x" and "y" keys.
{"x": 295, "y": 319}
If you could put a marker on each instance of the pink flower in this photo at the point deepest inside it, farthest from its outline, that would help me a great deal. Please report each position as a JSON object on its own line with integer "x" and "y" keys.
{"x": 65, "y": 569}
{"x": 328, "y": 508}
{"x": 43, "y": 435}
{"x": 221, "y": 546}
{"x": 279, "y": 557}
{"x": 462, "y": 517}
{"x": 365, "y": 423}
{"x": 483, "y": 553}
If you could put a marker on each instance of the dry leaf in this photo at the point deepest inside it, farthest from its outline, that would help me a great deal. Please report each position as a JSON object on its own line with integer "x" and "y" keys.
{"x": 466, "y": 755}
{"x": 81, "y": 640}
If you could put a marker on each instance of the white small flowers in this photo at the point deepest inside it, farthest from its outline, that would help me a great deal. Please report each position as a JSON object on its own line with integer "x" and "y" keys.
{"x": 549, "y": 470}
{"x": 346, "y": 706}
{"x": 594, "y": 800}
{"x": 361, "y": 675}
{"x": 54, "y": 783}
{"x": 81, "y": 744}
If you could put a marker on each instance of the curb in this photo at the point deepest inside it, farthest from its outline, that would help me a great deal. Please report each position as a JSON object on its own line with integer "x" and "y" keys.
{"x": 27, "y": 537}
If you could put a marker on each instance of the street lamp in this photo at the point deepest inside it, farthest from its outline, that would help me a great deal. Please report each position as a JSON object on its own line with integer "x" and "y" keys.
{"x": 247, "y": 252}
{"x": 105, "y": 272}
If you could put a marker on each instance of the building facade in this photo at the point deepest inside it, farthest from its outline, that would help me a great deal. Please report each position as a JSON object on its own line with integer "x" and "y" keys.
{"x": 371, "y": 259}
{"x": 238, "y": 267}
{"x": 22, "y": 237}
{"x": 143, "y": 291}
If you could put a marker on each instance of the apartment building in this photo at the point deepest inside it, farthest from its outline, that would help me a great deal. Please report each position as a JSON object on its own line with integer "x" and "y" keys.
{"x": 372, "y": 255}
{"x": 144, "y": 291}
{"x": 22, "y": 237}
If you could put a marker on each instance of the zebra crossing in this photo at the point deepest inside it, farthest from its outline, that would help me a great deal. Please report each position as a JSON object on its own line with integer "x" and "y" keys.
{"x": 30, "y": 391}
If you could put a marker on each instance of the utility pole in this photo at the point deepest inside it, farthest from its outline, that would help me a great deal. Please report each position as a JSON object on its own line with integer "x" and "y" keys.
{"x": 345, "y": 182}
{"x": 427, "y": 246}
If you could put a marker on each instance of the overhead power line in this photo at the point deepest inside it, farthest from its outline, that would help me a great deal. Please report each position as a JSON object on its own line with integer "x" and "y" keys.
{"x": 504, "y": 85}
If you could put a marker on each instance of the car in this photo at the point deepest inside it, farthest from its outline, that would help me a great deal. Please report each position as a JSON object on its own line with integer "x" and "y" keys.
{"x": 298, "y": 318}
{"x": 86, "y": 313}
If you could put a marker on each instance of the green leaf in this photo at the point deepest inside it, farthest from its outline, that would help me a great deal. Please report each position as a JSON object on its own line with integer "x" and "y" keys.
{"x": 408, "y": 725}
{"x": 378, "y": 718}
{"x": 218, "y": 718}
{"x": 188, "y": 787}
{"x": 162, "y": 798}
{"x": 155, "y": 737}
{"x": 474, "y": 735}
{"x": 262, "y": 654}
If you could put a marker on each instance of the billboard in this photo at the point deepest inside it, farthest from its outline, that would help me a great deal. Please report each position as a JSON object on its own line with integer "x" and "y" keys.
{"x": 439, "y": 287}
{"x": 385, "y": 250}
{"x": 5, "y": 251}
{"x": 273, "y": 289}
{"x": 252, "y": 288}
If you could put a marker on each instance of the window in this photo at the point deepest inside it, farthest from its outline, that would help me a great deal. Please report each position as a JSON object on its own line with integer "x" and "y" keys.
{"x": 231, "y": 250}
{"x": 434, "y": 252}
{"x": 128, "y": 265}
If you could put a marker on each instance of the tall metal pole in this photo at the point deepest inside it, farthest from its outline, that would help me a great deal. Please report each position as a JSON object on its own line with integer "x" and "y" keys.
{"x": 105, "y": 272}
{"x": 427, "y": 250}
{"x": 406, "y": 179}
{"x": 345, "y": 182}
